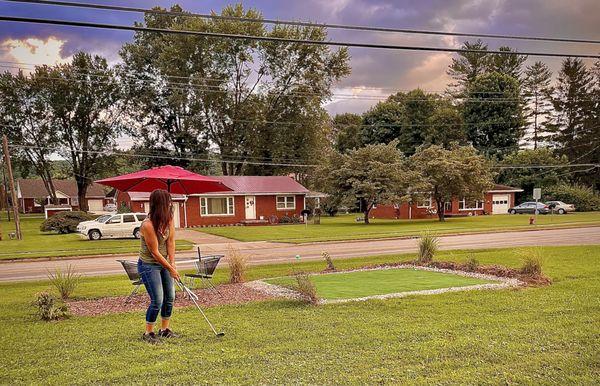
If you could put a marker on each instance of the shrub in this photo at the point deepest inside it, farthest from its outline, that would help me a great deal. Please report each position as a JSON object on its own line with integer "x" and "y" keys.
{"x": 49, "y": 308}
{"x": 328, "y": 260}
{"x": 306, "y": 288}
{"x": 65, "y": 282}
{"x": 583, "y": 197}
{"x": 237, "y": 265}
{"x": 428, "y": 247}
{"x": 285, "y": 220}
{"x": 532, "y": 262}
{"x": 123, "y": 208}
{"x": 471, "y": 264}
{"x": 65, "y": 222}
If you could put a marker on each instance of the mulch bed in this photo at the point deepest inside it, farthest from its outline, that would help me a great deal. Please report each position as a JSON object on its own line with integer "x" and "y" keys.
{"x": 230, "y": 294}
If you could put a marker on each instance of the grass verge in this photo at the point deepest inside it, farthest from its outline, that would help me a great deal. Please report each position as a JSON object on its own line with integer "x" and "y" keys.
{"x": 45, "y": 244}
{"x": 346, "y": 228}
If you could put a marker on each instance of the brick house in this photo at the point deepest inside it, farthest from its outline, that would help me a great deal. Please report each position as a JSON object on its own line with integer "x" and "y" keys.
{"x": 495, "y": 201}
{"x": 252, "y": 200}
{"x": 32, "y": 195}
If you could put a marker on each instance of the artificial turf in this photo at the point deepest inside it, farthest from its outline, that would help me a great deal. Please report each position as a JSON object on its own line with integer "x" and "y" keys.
{"x": 359, "y": 284}
{"x": 536, "y": 335}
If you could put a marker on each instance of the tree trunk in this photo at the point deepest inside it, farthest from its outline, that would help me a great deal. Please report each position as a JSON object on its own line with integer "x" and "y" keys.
{"x": 440, "y": 209}
{"x": 366, "y": 211}
{"x": 82, "y": 186}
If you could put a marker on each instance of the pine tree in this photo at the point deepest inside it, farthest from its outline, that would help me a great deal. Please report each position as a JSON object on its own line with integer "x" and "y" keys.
{"x": 468, "y": 65}
{"x": 573, "y": 104}
{"x": 510, "y": 63}
{"x": 537, "y": 91}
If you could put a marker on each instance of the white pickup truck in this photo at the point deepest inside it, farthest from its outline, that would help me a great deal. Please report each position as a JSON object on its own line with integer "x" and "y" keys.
{"x": 112, "y": 226}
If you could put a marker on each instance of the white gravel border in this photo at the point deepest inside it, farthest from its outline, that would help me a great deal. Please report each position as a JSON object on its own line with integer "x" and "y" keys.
{"x": 503, "y": 282}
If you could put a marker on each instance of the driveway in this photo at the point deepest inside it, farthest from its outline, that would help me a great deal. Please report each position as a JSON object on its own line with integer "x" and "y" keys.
{"x": 267, "y": 252}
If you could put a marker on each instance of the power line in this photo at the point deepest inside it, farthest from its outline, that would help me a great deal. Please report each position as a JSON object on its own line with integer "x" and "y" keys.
{"x": 180, "y": 86}
{"x": 112, "y": 152}
{"x": 138, "y": 28}
{"x": 304, "y": 23}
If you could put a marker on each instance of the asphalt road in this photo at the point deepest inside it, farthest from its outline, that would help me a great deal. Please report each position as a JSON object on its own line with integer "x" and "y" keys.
{"x": 267, "y": 252}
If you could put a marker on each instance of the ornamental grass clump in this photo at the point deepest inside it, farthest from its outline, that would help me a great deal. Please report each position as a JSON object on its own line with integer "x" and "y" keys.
{"x": 65, "y": 282}
{"x": 428, "y": 247}
{"x": 471, "y": 264}
{"x": 49, "y": 308}
{"x": 329, "y": 261}
{"x": 306, "y": 288}
{"x": 238, "y": 264}
{"x": 532, "y": 262}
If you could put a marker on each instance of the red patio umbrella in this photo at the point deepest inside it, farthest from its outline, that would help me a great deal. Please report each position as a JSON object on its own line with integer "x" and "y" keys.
{"x": 173, "y": 179}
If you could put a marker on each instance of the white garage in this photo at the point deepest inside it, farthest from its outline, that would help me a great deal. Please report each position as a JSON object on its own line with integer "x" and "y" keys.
{"x": 95, "y": 205}
{"x": 500, "y": 203}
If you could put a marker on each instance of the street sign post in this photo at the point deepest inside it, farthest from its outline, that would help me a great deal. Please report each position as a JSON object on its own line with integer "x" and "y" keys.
{"x": 537, "y": 194}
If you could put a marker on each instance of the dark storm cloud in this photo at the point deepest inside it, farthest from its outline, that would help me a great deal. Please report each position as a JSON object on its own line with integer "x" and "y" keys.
{"x": 372, "y": 68}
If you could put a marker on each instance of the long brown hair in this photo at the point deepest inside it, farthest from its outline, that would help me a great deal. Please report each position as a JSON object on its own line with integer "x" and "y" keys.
{"x": 160, "y": 210}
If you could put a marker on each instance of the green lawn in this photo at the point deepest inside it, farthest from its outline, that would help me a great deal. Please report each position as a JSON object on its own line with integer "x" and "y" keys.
{"x": 346, "y": 228}
{"x": 545, "y": 335}
{"x": 379, "y": 282}
{"x": 45, "y": 244}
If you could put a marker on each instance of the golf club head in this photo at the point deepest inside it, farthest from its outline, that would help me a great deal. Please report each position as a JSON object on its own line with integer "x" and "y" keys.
{"x": 220, "y": 334}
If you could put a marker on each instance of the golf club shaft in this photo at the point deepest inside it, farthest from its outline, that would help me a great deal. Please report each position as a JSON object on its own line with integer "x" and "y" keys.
{"x": 193, "y": 296}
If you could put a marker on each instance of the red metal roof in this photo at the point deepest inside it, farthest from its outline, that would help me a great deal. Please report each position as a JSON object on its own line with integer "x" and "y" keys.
{"x": 262, "y": 184}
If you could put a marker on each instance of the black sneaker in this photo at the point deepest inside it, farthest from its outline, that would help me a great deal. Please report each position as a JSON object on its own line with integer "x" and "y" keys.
{"x": 167, "y": 333}
{"x": 150, "y": 337}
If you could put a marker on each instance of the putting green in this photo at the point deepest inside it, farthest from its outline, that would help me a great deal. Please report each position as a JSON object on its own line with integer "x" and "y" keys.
{"x": 359, "y": 284}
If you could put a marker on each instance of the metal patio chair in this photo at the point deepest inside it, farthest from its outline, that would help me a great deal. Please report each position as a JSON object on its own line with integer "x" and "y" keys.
{"x": 133, "y": 275}
{"x": 205, "y": 268}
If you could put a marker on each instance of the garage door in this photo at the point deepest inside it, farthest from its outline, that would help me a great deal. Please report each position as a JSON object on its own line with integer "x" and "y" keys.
{"x": 500, "y": 203}
{"x": 95, "y": 205}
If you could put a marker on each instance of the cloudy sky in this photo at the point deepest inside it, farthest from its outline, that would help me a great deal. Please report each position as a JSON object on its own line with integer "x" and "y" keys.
{"x": 374, "y": 72}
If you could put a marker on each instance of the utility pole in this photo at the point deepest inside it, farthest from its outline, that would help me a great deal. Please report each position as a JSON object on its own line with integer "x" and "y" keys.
{"x": 6, "y": 193}
{"x": 11, "y": 182}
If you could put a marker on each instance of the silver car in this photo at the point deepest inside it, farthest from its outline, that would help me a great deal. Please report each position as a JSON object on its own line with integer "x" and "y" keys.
{"x": 560, "y": 207}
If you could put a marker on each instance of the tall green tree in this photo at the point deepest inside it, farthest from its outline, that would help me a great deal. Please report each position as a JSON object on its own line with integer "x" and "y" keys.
{"x": 493, "y": 113}
{"x": 25, "y": 119}
{"x": 529, "y": 178}
{"x": 467, "y": 66}
{"x": 575, "y": 124}
{"x": 537, "y": 91}
{"x": 370, "y": 175}
{"x": 456, "y": 172}
{"x": 510, "y": 62}
{"x": 403, "y": 117}
{"x": 85, "y": 101}
{"x": 347, "y": 132}
{"x": 254, "y": 101}
{"x": 445, "y": 126}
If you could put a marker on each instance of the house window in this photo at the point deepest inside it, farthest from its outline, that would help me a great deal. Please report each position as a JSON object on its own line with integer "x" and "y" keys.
{"x": 216, "y": 206}
{"x": 286, "y": 202}
{"x": 470, "y": 204}
{"x": 424, "y": 203}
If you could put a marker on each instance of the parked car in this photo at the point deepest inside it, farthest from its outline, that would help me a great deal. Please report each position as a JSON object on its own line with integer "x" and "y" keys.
{"x": 530, "y": 208}
{"x": 107, "y": 226}
{"x": 560, "y": 207}
{"x": 110, "y": 208}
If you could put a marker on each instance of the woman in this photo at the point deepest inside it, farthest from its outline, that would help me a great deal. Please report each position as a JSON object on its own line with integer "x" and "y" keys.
{"x": 157, "y": 264}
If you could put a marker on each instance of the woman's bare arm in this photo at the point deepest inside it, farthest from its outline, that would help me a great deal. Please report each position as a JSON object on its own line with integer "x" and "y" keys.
{"x": 171, "y": 244}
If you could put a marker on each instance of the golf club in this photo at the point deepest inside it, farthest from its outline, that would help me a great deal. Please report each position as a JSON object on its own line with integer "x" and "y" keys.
{"x": 194, "y": 297}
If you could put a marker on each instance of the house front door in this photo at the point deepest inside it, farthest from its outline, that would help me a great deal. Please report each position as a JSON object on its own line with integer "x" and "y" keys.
{"x": 250, "y": 208}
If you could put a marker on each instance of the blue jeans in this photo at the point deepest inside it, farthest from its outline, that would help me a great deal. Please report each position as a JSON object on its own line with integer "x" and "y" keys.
{"x": 160, "y": 287}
